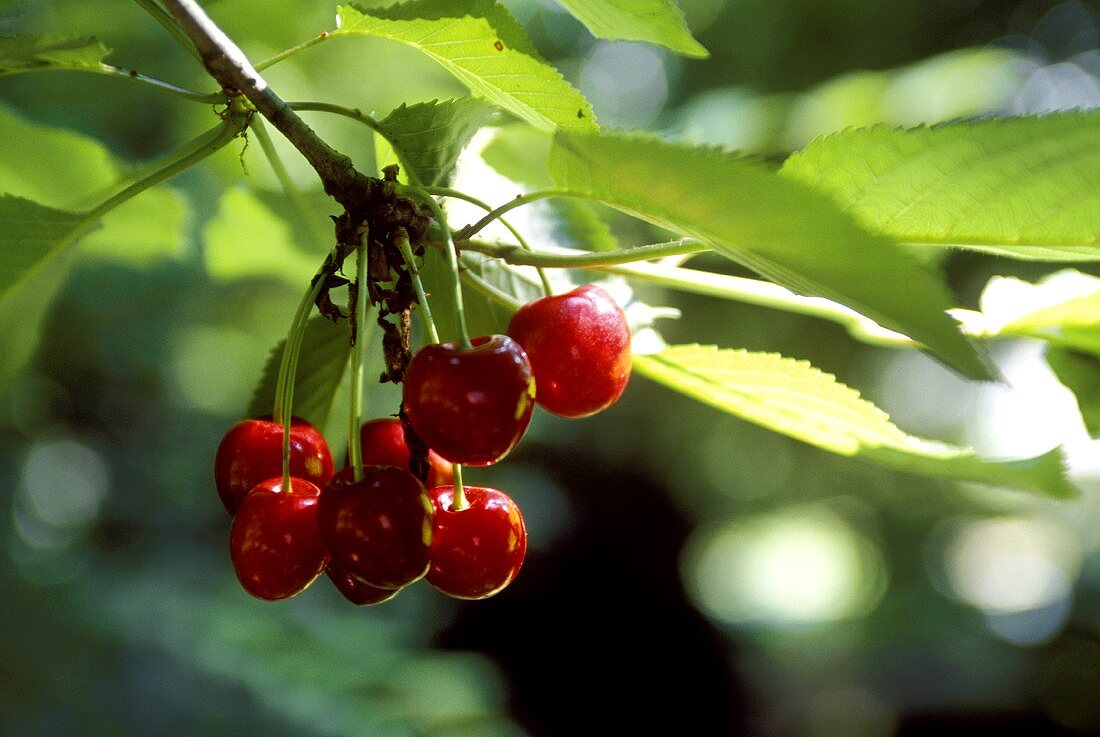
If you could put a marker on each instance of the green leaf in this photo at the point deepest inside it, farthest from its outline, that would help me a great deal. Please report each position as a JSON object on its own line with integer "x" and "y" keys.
{"x": 481, "y": 44}
{"x": 779, "y": 228}
{"x": 520, "y": 153}
{"x": 796, "y": 399}
{"x": 32, "y": 236}
{"x": 248, "y": 239}
{"x": 429, "y": 136}
{"x": 654, "y": 21}
{"x": 52, "y": 166}
{"x": 1063, "y": 308}
{"x": 1026, "y": 187}
{"x": 131, "y": 234}
{"x": 321, "y": 367}
{"x": 1080, "y": 373}
{"x": 33, "y": 53}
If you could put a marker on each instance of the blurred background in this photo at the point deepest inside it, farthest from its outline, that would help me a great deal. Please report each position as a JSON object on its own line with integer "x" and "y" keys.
{"x": 687, "y": 572}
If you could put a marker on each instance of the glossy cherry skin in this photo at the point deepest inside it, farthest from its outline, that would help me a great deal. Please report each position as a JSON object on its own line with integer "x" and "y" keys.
{"x": 470, "y": 406}
{"x": 274, "y": 542}
{"x": 252, "y": 452}
{"x": 356, "y": 591}
{"x": 579, "y": 347}
{"x": 383, "y": 443}
{"x": 477, "y": 551}
{"x": 377, "y": 529}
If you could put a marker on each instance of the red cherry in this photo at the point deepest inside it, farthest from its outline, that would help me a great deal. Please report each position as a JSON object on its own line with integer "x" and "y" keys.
{"x": 477, "y": 551}
{"x": 470, "y": 406}
{"x": 383, "y": 442}
{"x": 252, "y": 452}
{"x": 354, "y": 590}
{"x": 579, "y": 346}
{"x": 274, "y": 542}
{"x": 377, "y": 529}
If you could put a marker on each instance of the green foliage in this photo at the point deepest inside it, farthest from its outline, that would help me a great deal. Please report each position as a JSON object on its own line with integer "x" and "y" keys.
{"x": 248, "y": 239}
{"x": 521, "y": 153}
{"x": 142, "y": 232}
{"x": 654, "y": 21}
{"x": 1062, "y": 308}
{"x": 37, "y": 53}
{"x": 31, "y": 237}
{"x": 796, "y": 399}
{"x": 429, "y": 136}
{"x": 1028, "y": 188}
{"x": 780, "y": 229}
{"x": 482, "y": 45}
{"x": 1080, "y": 373}
{"x": 321, "y": 367}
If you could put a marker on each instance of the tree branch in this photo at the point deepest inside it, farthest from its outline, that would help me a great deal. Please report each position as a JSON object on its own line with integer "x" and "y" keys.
{"x": 228, "y": 65}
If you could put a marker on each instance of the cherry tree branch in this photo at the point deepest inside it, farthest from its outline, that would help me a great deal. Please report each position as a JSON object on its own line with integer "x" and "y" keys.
{"x": 234, "y": 72}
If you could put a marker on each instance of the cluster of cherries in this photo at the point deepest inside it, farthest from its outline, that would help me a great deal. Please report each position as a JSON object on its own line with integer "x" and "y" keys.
{"x": 378, "y": 533}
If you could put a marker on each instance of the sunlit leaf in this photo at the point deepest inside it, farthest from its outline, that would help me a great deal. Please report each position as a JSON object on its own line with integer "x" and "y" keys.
{"x": 1026, "y": 187}
{"x": 796, "y": 399}
{"x": 482, "y": 45}
{"x": 33, "y": 53}
{"x": 655, "y": 21}
{"x": 777, "y": 227}
{"x": 1062, "y": 308}
{"x": 431, "y": 135}
{"x": 520, "y": 153}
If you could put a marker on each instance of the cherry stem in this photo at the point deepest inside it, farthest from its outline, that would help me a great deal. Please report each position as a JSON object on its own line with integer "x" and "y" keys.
{"x": 279, "y": 168}
{"x": 547, "y": 287}
{"x": 288, "y": 369}
{"x": 401, "y": 238}
{"x": 452, "y": 259}
{"x": 458, "y": 503}
{"x": 576, "y": 259}
{"x": 355, "y": 400}
{"x": 518, "y": 201}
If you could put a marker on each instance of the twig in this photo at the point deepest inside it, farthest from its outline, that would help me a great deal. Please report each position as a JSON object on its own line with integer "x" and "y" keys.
{"x": 234, "y": 72}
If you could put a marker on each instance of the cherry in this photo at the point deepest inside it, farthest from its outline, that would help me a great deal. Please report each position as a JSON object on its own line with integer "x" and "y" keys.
{"x": 252, "y": 452}
{"x": 470, "y": 406}
{"x": 274, "y": 542}
{"x": 579, "y": 346}
{"x": 476, "y": 551}
{"x": 356, "y": 591}
{"x": 377, "y": 529}
{"x": 383, "y": 442}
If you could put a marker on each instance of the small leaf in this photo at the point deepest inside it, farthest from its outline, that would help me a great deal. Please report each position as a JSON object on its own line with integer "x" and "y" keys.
{"x": 321, "y": 366}
{"x": 779, "y": 228}
{"x": 1080, "y": 373}
{"x": 796, "y": 399}
{"x": 481, "y": 44}
{"x": 654, "y": 21}
{"x": 1026, "y": 187}
{"x": 429, "y": 136}
{"x": 34, "y": 53}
